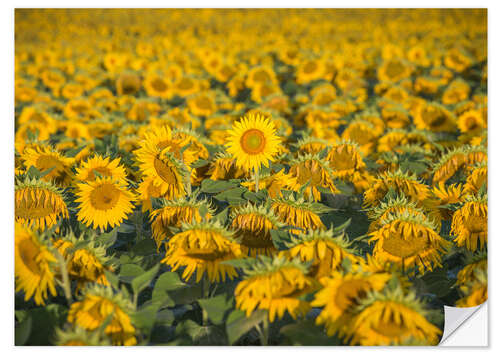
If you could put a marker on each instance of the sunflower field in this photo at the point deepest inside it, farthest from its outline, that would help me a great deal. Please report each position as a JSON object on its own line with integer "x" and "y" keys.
{"x": 248, "y": 177}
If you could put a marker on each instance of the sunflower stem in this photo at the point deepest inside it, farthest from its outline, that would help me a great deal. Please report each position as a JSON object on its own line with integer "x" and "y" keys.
{"x": 66, "y": 284}
{"x": 205, "y": 291}
{"x": 256, "y": 180}
{"x": 265, "y": 332}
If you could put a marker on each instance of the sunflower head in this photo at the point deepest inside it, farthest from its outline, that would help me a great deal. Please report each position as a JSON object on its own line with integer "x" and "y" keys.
{"x": 345, "y": 160}
{"x": 253, "y": 225}
{"x": 223, "y": 167}
{"x": 275, "y": 284}
{"x": 39, "y": 203}
{"x": 311, "y": 145}
{"x": 48, "y": 159}
{"x": 173, "y": 213}
{"x": 35, "y": 265}
{"x": 253, "y": 142}
{"x": 470, "y": 223}
{"x": 327, "y": 250}
{"x": 392, "y": 317}
{"x": 104, "y": 167}
{"x": 408, "y": 240}
{"x": 103, "y": 202}
{"x": 475, "y": 291}
{"x": 78, "y": 336}
{"x": 203, "y": 247}
{"x": 97, "y": 302}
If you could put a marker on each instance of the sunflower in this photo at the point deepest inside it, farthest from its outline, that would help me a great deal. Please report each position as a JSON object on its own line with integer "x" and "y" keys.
{"x": 34, "y": 265}
{"x": 408, "y": 240}
{"x": 457, "y": 59}
{"x": 78, "y": 336}
{"x": 340, "y": 294}
{"x": 223, "y": 167}
{"x": 253, "y": 142}
{"x": 310, "y": 70}
{"x": 77, "y": 131}
{"x": 472, "y": 121}
{"x": 312, "y": 172}
{"x": 473, "y": 264}
{"x": 276, "y": 285}
{"x": 39, "y": 203}
{"x": 327, "y": 250}
{"x": 97, "y": 304}
{"x": 36, "y": 116}
{"x": 259, "y": 75}
{"x": 401, "y": 183}
{"x": 128, "y": 84}
{"x": 105, "y": 167}
{"x": 446, "y": 195}
{"x": 47, "y": 158}
{"x": 477, "y": 178}
{"x": 103, "y": 202}
{"x": 363, "y": 133}
{"x": 203, "y": 247}
{"x": 163, "y": 169}
{"x": 345, "y": 160}
{"x": 394, "y": 70}
{"x": 311, "y": 145}
{"x": 299, "y": 213}
{"x": 392, "y": 317}
{"x": 202, "y": 104}
{"x": 174, "y": 213}
{"x": 145, "y": 192}
{"x": 253, "y": 225}
{"x": 186, "y": 86}
{"x": 475, "y": 291}
{"x": 434, "y": 117}
{"x": 470, "y": 223}
{"x": 157, "y": 86}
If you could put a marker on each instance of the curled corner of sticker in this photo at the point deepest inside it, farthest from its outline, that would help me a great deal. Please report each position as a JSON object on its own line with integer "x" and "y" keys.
{"x": 454, "y": 317}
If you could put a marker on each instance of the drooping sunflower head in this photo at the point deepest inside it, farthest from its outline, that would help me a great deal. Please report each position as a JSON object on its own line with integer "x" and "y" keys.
{"x": 345, "y": 160}
{"x": 456, "y": 159}
{"x": 340, "y": 295}
{"x": 223, "y": 167}
{"x": 470, "y": 223}
{"x": 39, "y": 203}
{"x": 97, "y": 302}
{"x": 103, "y": 202}
{"x": 164, "y": 170}
{"x": 477, "y": 178}
{"x": 78, "y": 336}
{"x": 473, "y": 263}
{"x": 327, "y": 250}
{"x": 311, "y": 145}
{"x": 253, "y": 142}
{"x": 401, "y": 183}
{"x": 105, "y": 167}
{"x": 272, "y": 182}
{"x": 203, "y": 247}
{"x": 312, "y": 173}
{"x": 447, "y": 195}
{"x": 434, "y": 117}
{"x": 175, "y": 212}
{"x": 194, "y": 143}
{"x": 472, "y": 121}
{"x": 392, "y": 317}
{"x": 299, "y": 212}
{"x": 475, "y": 291}
{"x": 46, "y": 158}
{"x": 253, "y": 225}
{"x": 34, "y": 265}
{"x": 275, "y": 284}
{"x": 410, "y": 241}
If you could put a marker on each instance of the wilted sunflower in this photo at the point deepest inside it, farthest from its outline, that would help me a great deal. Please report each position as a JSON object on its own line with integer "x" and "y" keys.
{"x": 103, "y": 202}
{"x": 165, "y": 171}
{"x": 475, "y": 290}
{"x": 473, "y": 264}
{"x": 39, "y": 203}
{"x": 223, "y": 167}
{"x": 47, "y": 158}
{"x": 362, "y": 132}
{"x": 456, "y": 159}
{"x": 275, "y": 284}
{"x": 311, "y": 145}
{"x": 434, "y": 117}
{"x": 104, "y": 166}
{"x": 408, "y": 240}
{"x": 472, "y": 121}
{"x": 470, "y": 223}
{"x": 253, "y": 225}
{"x": 391, "y": 317}
{"x": 146, "y": 191}
{"x": 157, "y": 86}
{"x": 175, "y": 212}
{"x": 401, "y": 183}
{"x": 312, "y": 172}
{"x": 203, "y": 247}
{"x": 345, "y": 160}
{"x": 446, "y": 195}
{"x": 477, "y": 178}
{"x": 78, "y": 336}
{"x": 340, "y": 294}
{"x": 325, "y": 249}
{"x": 300, "y": 213}
{"x": 34, "y": 265}
{"x": 253, "y": 142}
{"x": 97, "y": 303}
{"x": 273, "y": 183}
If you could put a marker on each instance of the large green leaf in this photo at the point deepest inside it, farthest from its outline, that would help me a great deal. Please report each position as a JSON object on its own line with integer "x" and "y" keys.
{"x": 166, "y": 282}
{"x": 307, "y": 333}
{"x": 23, "y": 330}
{"x": 238, "y": 324}
{"x": 202, "y": 335}
{"x": 211, "y": 186}
{"x": 142, "y": 281}
{"x": 216, "y": 307}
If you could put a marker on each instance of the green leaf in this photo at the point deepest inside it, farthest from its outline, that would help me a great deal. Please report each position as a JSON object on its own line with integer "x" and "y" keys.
{"x": 307, "y": 333}
{"x": 233, "y": 196}
{"x": 210, "y": 186}
{"x": 280, "y": 238}
{"x": 199, "y": 163}
{"x": 112, "y": 278}
{"x": 168, "y": 281}
{"x": 107, "y": 239}
{"x": 144, "y": 247}
{"x": 75, "y": 151}
{"x": 142, "y": 281}
{"x": 145, "y": 318}
{"x": 222, "y": 216}
{"x": 240, "y": 263}
{"x": 129, "y": 271}
{"x": 23, "y": 330}
{"x": 238, "y": 324}
{"x": 201, "y": 335}
{"x": 216, "y": 307}
{"x": 44, "y": 320}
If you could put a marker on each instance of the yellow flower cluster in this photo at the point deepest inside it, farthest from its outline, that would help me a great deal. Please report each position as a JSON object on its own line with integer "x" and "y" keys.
{"x": 239, "y": 141}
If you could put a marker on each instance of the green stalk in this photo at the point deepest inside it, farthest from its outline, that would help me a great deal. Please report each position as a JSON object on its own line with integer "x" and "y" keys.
{"x": 66, "y": 284}
{"x": 256, "y": 180}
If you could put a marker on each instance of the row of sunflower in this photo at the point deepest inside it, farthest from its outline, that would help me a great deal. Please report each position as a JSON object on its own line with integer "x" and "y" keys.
{"x": 249, "y": 177}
